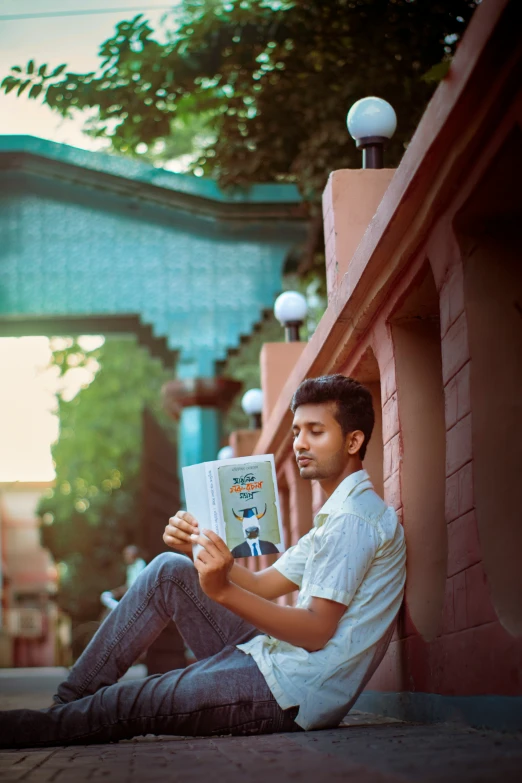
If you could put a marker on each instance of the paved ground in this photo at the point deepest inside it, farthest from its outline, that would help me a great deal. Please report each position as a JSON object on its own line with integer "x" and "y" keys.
{"x": 366, "y": 750}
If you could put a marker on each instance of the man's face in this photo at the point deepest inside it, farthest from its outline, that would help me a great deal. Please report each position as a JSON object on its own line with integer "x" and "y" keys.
{"x": 321, "y": 449}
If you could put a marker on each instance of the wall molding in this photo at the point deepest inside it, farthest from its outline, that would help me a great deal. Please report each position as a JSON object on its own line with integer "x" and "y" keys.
{"x": 502, "y": 713}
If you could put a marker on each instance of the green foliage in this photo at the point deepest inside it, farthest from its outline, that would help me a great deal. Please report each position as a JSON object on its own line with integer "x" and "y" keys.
{"x": 243, "y": 363}
{"x": 258, "y": 90}
{"x": 93, "y": 511}
{"x": 438, "y": 72}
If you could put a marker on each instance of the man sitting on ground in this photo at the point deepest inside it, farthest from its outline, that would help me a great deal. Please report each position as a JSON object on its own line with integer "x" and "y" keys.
{"x": 262, "y": 667}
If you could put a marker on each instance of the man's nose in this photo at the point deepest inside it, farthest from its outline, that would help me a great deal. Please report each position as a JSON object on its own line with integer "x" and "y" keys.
{"x": 300, "y": 443}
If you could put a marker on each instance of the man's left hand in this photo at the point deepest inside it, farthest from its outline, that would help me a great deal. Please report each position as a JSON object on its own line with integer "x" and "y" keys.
{"x": 213, "y": 564}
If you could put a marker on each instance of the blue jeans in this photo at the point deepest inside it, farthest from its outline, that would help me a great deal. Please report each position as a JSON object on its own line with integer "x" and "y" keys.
{"x": 222, "y": 693}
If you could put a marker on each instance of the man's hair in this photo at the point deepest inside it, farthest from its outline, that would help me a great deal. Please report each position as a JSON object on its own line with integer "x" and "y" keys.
{"x": 354, "y": 404}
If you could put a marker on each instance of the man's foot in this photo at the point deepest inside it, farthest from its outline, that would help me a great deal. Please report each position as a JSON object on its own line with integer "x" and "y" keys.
{"x": 26, "y": 729}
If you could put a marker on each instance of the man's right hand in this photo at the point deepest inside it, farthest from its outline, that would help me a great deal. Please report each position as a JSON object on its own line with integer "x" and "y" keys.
{"x": 177, "y": 533}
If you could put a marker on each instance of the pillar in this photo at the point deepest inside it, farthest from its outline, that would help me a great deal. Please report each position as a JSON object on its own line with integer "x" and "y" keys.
{"x": 350, "y": 201}
{"x": 198, "y": 403}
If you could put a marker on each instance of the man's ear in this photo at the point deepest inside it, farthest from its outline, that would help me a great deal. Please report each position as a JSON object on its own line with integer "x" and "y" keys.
{"x": 355, "y": 440}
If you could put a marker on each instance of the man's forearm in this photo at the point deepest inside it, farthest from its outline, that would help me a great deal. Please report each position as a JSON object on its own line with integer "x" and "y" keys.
{"x": 300, "y": 627}
{"x": 242, "y": 577}
{"x": 268, "y": 583}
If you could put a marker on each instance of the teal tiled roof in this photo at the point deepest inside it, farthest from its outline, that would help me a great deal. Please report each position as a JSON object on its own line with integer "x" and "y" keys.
{"x": 92, "y": 236}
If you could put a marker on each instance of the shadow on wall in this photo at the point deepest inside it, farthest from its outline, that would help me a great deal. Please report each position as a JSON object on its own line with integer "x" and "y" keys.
{"x": 488, "y": 231}
{"x": 367, "y": 372}
{"x": 420, "y": 394}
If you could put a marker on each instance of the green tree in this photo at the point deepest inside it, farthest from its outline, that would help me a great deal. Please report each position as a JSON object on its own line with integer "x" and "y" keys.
{"x": 258, "y": 90}
{"x": 243, "y": 362}
{"x": 93, "y": 511}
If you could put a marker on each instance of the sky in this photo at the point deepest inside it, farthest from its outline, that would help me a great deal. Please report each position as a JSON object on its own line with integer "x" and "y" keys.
{"x": 73, "y": 39}
{"x": 28, "y": 424}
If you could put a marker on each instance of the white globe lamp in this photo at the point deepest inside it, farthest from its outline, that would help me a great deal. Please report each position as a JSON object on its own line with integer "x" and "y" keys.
{"x": 290, "y": 309}
{"x": 252, "y": 404}
{"x": 227, "y": 452}
{"x": 372, "y": 122}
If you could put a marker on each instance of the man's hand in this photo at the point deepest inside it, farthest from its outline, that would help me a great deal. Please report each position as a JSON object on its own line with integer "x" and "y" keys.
{"x": 213, "y": 564}
{"x": 178, "y": 532}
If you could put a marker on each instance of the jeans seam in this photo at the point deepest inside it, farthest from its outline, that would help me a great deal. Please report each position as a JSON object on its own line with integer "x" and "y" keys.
{"x": 135, "y": 616}
{"x": 141, "y": 718}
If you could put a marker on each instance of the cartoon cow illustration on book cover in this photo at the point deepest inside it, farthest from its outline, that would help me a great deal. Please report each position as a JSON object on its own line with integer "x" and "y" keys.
{"x": 252, "y": 545}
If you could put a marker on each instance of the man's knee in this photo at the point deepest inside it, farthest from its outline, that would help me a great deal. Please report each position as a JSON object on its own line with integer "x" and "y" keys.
{"x": 172, "y": 562}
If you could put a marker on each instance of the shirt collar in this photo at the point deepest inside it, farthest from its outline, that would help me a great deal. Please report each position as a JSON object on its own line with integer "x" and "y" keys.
{"x": 339, "y": 495}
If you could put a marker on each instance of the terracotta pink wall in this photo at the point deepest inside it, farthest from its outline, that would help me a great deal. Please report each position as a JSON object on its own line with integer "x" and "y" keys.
{"x": 449, "y": 388}
{"x": 488, "y": 230}
{"x": 422, "y": 443}
{"x": 469, "y": 646}
{"x": 478, "y": 648}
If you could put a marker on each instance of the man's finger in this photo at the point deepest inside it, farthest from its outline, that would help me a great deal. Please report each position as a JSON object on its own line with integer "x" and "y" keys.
{"x": 177, "y": 540}
{"x": 207, "y": 545}
{"x": 187, "y": 517}
{"x": 182, "y": 524}
{"x": 203, "y": 557}
{"x": 173, "y": 530}
{"x": 219, "y": 543}
{"x": 173, "y": 540}
{"x": 204, "y": 542}
{"x": 176, "y": 527}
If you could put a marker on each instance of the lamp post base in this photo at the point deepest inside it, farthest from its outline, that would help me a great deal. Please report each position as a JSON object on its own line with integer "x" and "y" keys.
{"x": 292, "y": 331}
{"x": 255, "y": 421}
{"x": 372, "y": 151}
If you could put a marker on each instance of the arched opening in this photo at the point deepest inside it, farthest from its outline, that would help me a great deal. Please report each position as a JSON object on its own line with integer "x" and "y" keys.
{"x": 420, "y": 395}
{"x": 488, "y": 230}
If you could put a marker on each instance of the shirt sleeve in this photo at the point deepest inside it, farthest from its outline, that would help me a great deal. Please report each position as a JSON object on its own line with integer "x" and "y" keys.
{"x": 292, "y": 563}
{"x": 345, "y": 555}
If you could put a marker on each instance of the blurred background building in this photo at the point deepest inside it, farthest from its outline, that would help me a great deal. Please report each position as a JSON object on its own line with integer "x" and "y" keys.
{"x": 33, "y": 631}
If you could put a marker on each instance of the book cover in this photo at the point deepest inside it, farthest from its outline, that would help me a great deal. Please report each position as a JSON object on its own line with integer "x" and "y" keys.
{"x": 242, "y": 503}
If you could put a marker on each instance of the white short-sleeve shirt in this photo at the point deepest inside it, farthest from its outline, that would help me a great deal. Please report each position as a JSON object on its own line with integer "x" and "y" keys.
{"x": 355, "y": 555}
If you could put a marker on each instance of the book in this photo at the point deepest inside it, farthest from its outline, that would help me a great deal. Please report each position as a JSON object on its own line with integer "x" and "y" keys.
{"x": 238, "y": 499}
